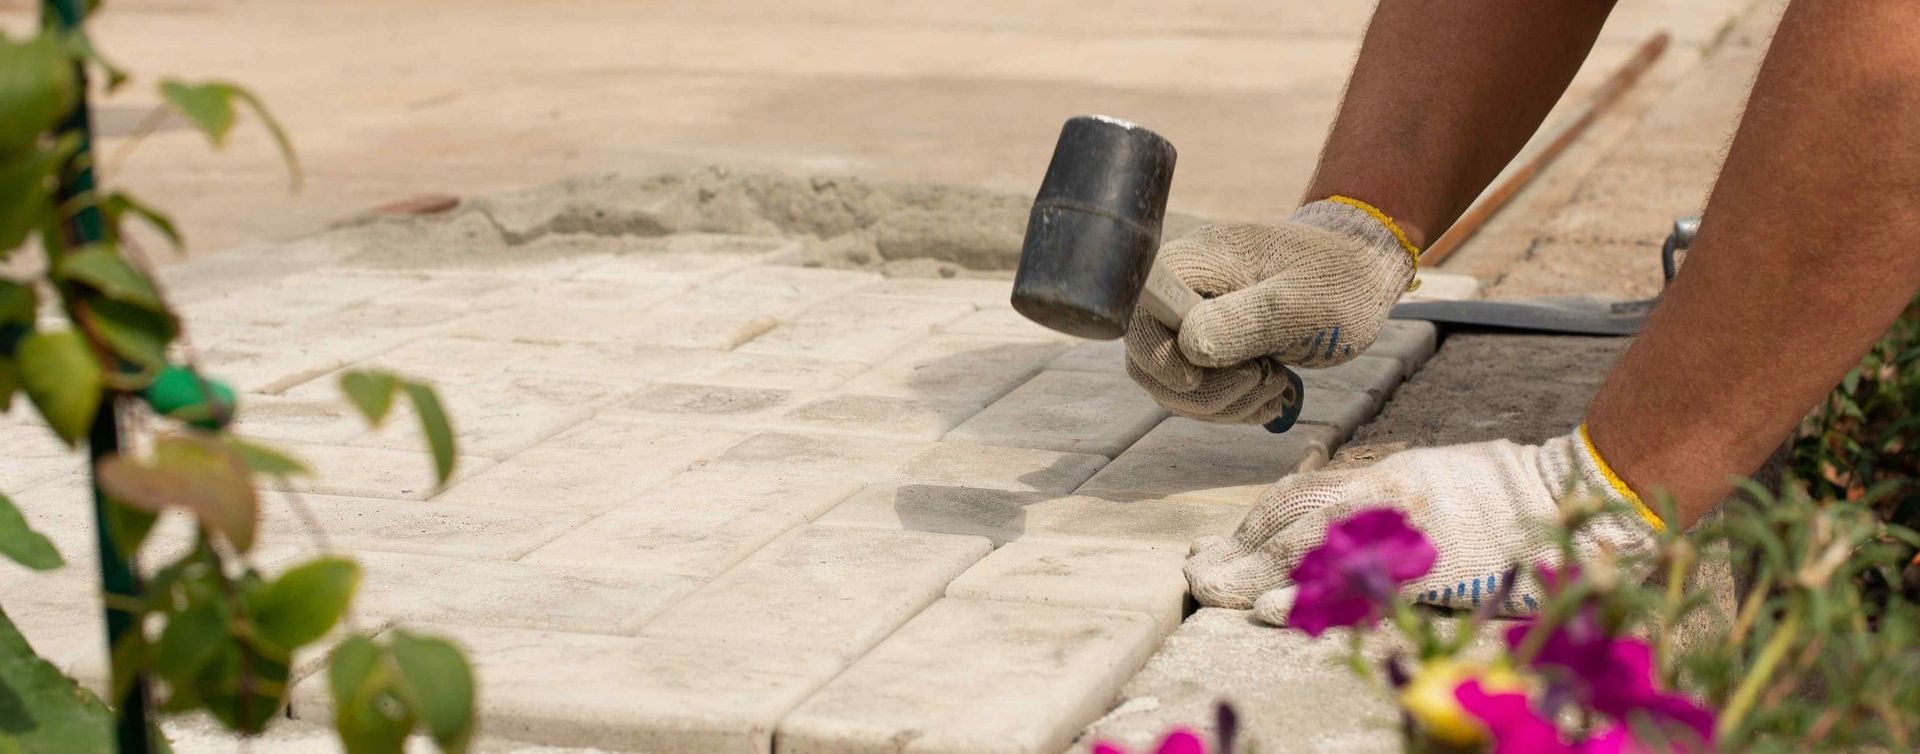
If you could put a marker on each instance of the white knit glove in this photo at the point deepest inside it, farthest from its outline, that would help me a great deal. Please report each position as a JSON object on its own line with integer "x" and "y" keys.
{"x": 1313, "y": 292}
{"x": 1484, "y": 507}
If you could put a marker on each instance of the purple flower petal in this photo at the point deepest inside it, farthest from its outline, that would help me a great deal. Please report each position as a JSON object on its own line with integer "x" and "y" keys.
{"x": 1349, "y": 580}
{"x": 1514, "y": 726}
{"x": 1183, "y": 741}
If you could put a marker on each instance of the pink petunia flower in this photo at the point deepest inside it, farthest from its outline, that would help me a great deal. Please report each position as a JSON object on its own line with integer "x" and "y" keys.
{"x": 1352, "y": 578}
{"x": 1511, "y": 721}
{"x": 1614, "y": 676}
{"x": 1180, "y": 741}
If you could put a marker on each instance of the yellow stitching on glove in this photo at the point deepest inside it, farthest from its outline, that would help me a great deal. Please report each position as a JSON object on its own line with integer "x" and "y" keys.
{"x": 1619, "y": 485}
{"x": 1398, "y": 235}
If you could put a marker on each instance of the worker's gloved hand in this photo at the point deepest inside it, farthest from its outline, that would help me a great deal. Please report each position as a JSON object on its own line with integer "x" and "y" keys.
{"x": 1313, "y": 292}
{"x": 1483, "y": 506}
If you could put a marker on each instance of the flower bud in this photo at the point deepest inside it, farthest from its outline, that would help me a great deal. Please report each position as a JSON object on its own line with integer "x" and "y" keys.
{"x": 1429, "y": 698}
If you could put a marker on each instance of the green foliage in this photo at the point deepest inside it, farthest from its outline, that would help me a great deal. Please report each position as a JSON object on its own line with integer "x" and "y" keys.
{"x": 381, "y": 693}
{"x": 42, "y": 711}
{"x": 21, "y": 544}
{"x": 209, "y": 107}
{"x": 1864, "y": 439}
{"x": 58, "y": 371}
{"x": 372, "y": 393}
{"x": 211, "y": 632}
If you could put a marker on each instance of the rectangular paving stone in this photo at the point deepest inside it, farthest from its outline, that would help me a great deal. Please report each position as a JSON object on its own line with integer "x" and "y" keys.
{"x": 1154, "y": 522}
{"x": 857, "y": 328}
{"x": 960, "y": 464}
{"x": 621, "y": 363}
{"x": 718, "y": 405}
{"x": 1142, "y": 579}
{"x": 1293, "y": 694}
{"x": 1077, "y": 412}
{"x": 757, "y": 370}
{"x": 1003, "y": 323}
{"x": 593, "y": 467}
{"x": 408, "y": 588}
{"x": 822, "y": 589}
{"x": 957, "y": 368}
{"x": 297, "y": 359}
{"x": 1376, "y": 375}
{"x": 1412, "y": 341}
{"x": 1108, "y": 356}
{"x": 309, "y": 294}
{"x": 698, "y": 523}
{"x": 325, "y": 421}
{"x": 1340, "y": 410}
{"x": 975, "y": 676}
{"x": 910, "y": 418}
{"x": 562, "y": 324}
{"x": 374, "y": 472}
{"x": 1184, "y": 459}
{"x": 1007, "y": 516}
{"x": 841, "y": 456}
{"x": 622, "y": 693}
{"x": 413, "y": 526}
{"x": 611, "y": 295}
{"x": 499, "y": 417}
{"x": 985, "y": 294}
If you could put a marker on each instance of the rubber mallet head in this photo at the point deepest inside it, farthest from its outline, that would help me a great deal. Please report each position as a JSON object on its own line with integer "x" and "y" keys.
{"x": 1088, "y": 258}
{"x": 1095, "y": 227}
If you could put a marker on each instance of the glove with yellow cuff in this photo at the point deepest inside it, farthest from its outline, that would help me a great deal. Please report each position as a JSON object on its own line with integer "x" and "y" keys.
{"x": 1484, "y": 506}
{"x": 1313, "y": 291}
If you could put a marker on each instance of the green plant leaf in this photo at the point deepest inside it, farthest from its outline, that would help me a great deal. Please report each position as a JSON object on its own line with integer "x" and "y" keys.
{"x": 369, "y": 719}
{"x": 120, "y": 204}
{"x": 135, "y": 333}
{"x": 81, "y": 47}
{"x": 267, "y": 461}
{"x": 59, "y": 373}
{"x": 26, "y": 190}
{"x": 370, "y": 392}
{"x": 433, "y": 422}
{"x": 46, "y": 712}
{"x": 209, "y": 106}
{"x": 305, "y": 602}
{"x": 191, "y": 639}
{"x": 9, "y": 384}
{"x": 243, "y": 688}
{"x": 37, "y": 89}
{"x": 22, "y": 544}
{"x": 18, "y": 303}
{"x": 196, "y": 474}
{"x": 437, "y": 679}
{"x": 101, "y": 268}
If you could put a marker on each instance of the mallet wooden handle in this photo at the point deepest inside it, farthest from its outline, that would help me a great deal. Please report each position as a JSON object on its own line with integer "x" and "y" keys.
{"x": 1166, "y": 298}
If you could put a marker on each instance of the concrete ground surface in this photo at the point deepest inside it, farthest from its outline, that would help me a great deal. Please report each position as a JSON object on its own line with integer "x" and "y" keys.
{"x": 744, "y": 474}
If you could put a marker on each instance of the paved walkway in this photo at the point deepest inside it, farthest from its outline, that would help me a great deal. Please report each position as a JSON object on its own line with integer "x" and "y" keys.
{"x": 708, "y": 501}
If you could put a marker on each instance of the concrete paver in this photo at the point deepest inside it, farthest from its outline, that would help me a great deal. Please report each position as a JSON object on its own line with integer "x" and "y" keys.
{"x": 1005, "y": 516}
{"x": 975, "y": 676}
{"x": 426, "y": 588}
{"x": 622, "y": 693}
{"x": 1184, "y": 459}
{"x": 699, "y": 523}
{"x": 1075, "y": 412}
{"x": 575, "y": 471}
{"x": 827, "y": 589}
{"x": 968, "y": 465}
{"x": 411, "y": 526}
{"x": 1140, "y": 579}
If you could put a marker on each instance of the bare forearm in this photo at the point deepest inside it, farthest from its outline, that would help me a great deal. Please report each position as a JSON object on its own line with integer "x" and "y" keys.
{"x": 1805, "y": 256}
{"x": 1442, "y": 97}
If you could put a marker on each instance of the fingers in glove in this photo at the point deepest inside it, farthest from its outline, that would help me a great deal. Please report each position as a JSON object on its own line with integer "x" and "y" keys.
{"x": 1154, "y": 349}
{"x": 1274, "y": 605}
{"x": 1289, "y": 521}
{"x": 1273, "y": 317}
{"x": 1218, "y": 391}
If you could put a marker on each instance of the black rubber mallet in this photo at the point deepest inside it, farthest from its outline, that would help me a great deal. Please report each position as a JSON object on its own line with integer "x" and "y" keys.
{"x": 1094, "y": 233}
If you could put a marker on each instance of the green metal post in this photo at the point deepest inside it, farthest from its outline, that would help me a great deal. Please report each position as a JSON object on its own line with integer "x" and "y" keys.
{"x": 117, "y": 576}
